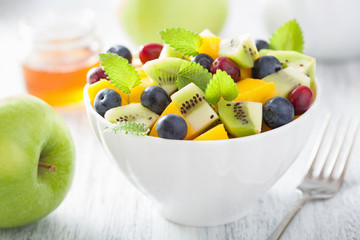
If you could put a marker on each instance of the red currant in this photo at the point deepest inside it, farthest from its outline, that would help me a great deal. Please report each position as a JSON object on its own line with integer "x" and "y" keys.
{"x": 301, "y": 98}
{"x": 228, "y": 65}
{"x": 95, "y": 74}
{"x": 150, "y": 51}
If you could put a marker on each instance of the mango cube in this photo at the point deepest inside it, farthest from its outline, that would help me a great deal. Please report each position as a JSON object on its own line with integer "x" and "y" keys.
{"x": 255, "y": 90}
{"x": 216, "y": 133}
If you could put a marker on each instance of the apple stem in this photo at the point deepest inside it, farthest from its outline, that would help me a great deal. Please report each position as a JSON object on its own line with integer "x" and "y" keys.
{"x": 51, "y": 168}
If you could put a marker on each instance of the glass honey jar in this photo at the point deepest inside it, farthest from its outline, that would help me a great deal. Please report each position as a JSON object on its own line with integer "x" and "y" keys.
{"x": 59, "y": 48}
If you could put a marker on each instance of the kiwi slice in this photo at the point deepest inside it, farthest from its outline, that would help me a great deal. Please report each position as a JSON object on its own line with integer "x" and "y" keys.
{"x": 168, "y": 51}
{"x": 287, "y": 79}
{"x": 195, "y": 109}
{"x": 241, "y": 118}
{"x": 241, "y": 49}
{"x": 133, "y": 113}
{"x": 164, "y": 72}
{"x": 302, "y": 62}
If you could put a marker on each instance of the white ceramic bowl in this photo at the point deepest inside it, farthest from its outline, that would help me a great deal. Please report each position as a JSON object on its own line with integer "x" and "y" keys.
{"x": 204, "y": 183}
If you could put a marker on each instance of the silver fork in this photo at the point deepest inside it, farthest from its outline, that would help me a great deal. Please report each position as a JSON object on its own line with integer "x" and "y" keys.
{"x": 327, "y": 171}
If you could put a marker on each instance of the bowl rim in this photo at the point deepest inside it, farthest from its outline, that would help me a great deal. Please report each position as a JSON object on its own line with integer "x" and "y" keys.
{"x": 268, "y": 134}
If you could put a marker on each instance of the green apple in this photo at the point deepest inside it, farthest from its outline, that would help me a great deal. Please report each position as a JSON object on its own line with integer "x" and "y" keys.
{"x": 143, "y": 19}
{"x": 37, "y": 158}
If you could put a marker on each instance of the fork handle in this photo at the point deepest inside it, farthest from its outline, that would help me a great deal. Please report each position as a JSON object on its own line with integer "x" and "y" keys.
{"x": 280, "y": 229}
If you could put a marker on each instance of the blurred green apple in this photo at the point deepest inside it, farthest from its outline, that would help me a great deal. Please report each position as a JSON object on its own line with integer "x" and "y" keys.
{"x": 37, "y": 159}
{"x": 143, "y": 19}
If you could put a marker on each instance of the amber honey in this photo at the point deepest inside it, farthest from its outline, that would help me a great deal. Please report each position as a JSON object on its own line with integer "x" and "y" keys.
{"x": 57, "y": 86}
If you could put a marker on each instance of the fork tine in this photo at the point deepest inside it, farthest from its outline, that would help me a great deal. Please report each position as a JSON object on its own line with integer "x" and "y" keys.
{"x": 319, "y": 145}
{"x": 347, "y": 154}
{"x": 332, "y": 147}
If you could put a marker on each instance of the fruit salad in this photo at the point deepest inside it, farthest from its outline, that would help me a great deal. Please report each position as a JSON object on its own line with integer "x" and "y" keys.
{"x": 201, "y": 87}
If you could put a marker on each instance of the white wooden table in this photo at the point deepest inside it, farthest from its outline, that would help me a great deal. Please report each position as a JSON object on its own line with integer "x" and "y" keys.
{"x": 103, "y": 205}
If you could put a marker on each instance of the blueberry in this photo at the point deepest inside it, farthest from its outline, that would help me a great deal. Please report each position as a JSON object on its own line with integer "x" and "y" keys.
{"x": 261, "y": 44}
{"x": 264, "y": 66}
{"x": 121, "y": 51}
{"x": 277, "y": 111}
{"x": 155, "y": 98}
{"x": 171, "y": 126}
{"x": 106, "y": 99}
{"x": 204, "y": 60}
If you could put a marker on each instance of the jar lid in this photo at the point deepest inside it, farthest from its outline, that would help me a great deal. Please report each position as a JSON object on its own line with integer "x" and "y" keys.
{"x": 44, "y": 26}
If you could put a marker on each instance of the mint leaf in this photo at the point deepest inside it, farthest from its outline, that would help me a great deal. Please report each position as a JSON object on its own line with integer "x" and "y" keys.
{"x": 133, "y": 128}
{"x": 192, "y": 72}
{"x": 221, "y": 85}
{"x": 288, "y": 37}
{"x": 182, "y": 40}
{"x": 121, "y": 74}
